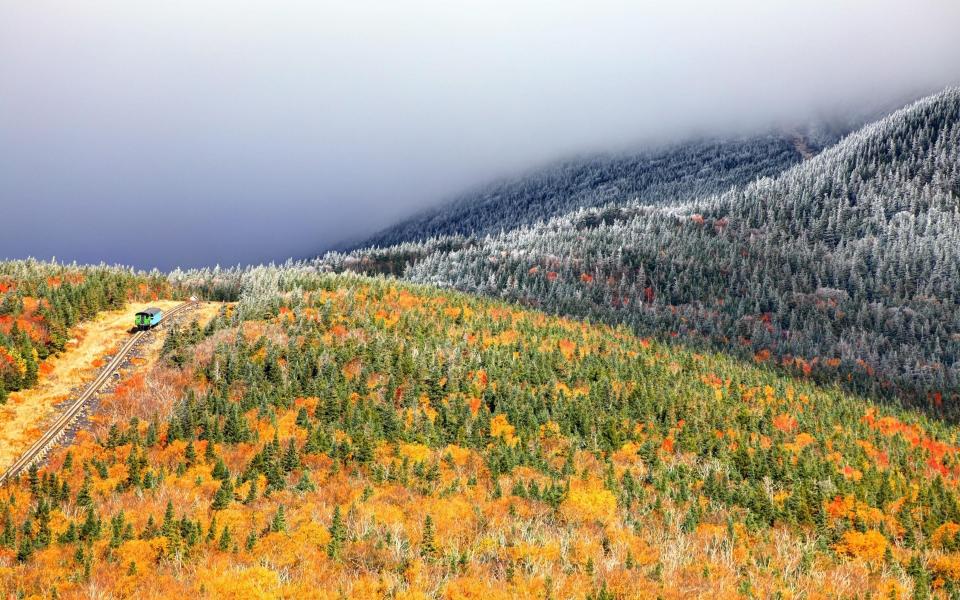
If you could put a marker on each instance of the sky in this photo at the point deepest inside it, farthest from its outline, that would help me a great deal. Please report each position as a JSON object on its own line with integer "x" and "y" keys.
{"x": 200, "y": 132}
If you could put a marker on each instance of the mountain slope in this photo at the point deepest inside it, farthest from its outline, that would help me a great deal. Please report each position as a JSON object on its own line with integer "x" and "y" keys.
{"x": 40, "y": 302}
{"x": 844, "y": 267}
{"x": 358, "y": 438}
{"x": 664, "y": 175}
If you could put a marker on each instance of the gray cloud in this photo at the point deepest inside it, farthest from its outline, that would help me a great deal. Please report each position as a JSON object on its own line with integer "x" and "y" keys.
{"x": 189, "y": 133}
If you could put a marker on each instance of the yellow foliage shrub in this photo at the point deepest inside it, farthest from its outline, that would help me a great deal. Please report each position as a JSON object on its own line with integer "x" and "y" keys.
{"x": 945, "y": 534}
{"x": 414, "y": 452}
{"x": 946, "y": 566}
{"x": 253, "y": 583}
{"x": 501, "y": 428}
{"x": 589, "y": 502}
{"x": 869, "y": 545}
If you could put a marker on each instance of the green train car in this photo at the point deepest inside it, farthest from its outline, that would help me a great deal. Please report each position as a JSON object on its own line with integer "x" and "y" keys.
{"x": 148, "y": 318}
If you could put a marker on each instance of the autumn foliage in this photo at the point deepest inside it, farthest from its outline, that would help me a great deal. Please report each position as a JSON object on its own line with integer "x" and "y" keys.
{"x": 39, "y": 302}
{"x": 375, "y": 440}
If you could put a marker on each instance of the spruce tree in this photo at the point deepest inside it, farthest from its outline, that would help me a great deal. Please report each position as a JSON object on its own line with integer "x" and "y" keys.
{"x": 338, "y": 534}
{"x": 428, "y": 546}
{"x": 224, "y": 495}
{"x": 226, "y": 539}
{"x": 279, "y": 522}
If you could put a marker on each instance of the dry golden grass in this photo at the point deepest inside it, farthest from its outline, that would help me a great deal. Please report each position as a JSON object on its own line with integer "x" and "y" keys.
{"x": 24, "y": 416}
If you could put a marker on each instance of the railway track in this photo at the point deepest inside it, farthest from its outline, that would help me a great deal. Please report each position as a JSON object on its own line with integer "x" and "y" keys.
{"x": 39, "y": 450}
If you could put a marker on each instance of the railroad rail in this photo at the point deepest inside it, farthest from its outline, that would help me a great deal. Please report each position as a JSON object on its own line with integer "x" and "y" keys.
{"x": 39, "y": 450}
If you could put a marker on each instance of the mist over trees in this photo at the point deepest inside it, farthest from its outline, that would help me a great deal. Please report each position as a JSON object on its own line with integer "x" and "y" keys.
{"x": 844, "y": 267}
{"x": 338, "y": 420}
{"x": 664, "y": 175}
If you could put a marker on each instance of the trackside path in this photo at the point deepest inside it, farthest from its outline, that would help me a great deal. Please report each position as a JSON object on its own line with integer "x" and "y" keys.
{"x": 55, "y": 432}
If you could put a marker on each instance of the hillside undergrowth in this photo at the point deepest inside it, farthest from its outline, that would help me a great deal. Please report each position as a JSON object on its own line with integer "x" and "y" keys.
{"x": 355, "y": 437}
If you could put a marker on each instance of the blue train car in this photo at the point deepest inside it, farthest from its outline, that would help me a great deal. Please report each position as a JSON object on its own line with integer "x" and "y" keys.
{"x": 149, "y": 317}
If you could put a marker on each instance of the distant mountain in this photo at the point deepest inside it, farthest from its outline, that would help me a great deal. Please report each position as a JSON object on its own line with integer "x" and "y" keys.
{"x": 661, "y": 175}
{"x": 669, "y": 174}
{"x": 846, "y": 266}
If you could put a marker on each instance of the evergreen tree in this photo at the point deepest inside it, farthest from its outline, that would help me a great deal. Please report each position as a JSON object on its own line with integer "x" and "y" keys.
{"x": 224, "y": 496}
{"x": 279, "y": 522}
{"x": 226, "y": 540}
{"x": 338, "y": 534}
{"x": 428, "y": 546}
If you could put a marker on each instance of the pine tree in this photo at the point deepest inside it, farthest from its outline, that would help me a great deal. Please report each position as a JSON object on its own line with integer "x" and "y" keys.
{"x": 117, "y": 523}
{"x": 212, "y": 529}
{"x": 428, "y": 546}
{"x": 305, "y": 484}
{"x": 224, "y": 496}
{"x": 303, "y": 419}
{"x": 209, "y": 454}
{"x": 220, "y": 470}
{"x": 168, "y": 528}
{"x": 25, "y": 551}
{"x": 150, "y": 530}
{"x": 279, "y": 522}
{"x": 8, "y": 536}
{"x": 226, "y": 539}
{"x": 190, "y": 454}
{"x": 152, "y": 434}
{"x": 338, "y": 534}
{"x": 251, "y": 492}
{"x": 70, "y": 535}
{"x": 291, "y": 458}
{"x": 90, "y": 530}
{"x": 33, "y": 478}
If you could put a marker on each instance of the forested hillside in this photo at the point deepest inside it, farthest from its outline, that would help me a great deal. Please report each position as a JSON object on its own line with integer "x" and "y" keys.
{"x": 845, "y": 267}
{"x": 358, "y": 438}
{"x": 660, "y": 176}
{"x": 39, "y": 302}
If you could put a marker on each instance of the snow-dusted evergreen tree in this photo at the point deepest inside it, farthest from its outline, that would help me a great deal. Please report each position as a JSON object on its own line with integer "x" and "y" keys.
{"x": 852, "y": 257}
{"x": 663, "y": 175}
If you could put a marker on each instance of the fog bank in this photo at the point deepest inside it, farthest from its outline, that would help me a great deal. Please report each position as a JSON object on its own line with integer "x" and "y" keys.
{"x": 193, "y": 133}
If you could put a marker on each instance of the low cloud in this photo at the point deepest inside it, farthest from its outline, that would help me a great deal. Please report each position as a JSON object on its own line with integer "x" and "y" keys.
{"x": 191, "y": 133}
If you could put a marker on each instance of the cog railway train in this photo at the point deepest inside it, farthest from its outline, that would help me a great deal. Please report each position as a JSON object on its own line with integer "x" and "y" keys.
{"x": 148, "y": 318}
